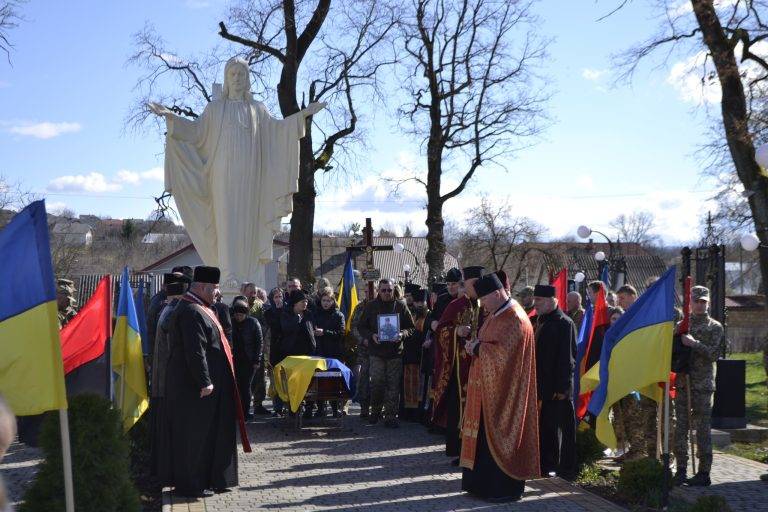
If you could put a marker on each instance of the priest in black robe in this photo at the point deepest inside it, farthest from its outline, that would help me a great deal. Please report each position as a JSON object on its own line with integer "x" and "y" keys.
{"x": 555, "y": 365}
{"x": 201, "y": 395}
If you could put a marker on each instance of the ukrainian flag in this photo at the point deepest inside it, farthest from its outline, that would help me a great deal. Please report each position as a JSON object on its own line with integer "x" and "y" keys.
{"x": 127, "y": 358}
{"x": 31, "y": 367}
{"x": 347, "y": 299}
{"x": 636, "y": 354}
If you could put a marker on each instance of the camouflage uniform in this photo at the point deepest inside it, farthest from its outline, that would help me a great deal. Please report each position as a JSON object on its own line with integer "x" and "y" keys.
{"x": 383, "y": 371}
{"x": 362, "y": 362}
{"x": 638, "y": 422}
{"x": 709, "y": 335}
{"x": 66, "y": 288}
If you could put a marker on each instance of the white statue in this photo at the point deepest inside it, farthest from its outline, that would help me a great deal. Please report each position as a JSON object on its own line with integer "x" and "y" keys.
{"x": 232, "y": 173}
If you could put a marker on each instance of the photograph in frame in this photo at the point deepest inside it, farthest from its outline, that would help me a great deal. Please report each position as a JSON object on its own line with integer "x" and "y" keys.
{"x": 389, "y": 327}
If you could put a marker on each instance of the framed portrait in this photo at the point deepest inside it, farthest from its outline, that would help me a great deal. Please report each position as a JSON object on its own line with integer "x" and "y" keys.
{"x": 389, "y": 327}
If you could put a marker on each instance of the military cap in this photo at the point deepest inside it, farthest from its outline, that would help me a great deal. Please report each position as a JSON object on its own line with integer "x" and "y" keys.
{"x": 177, "y": 288}
{"x": 65, "y": 285}
{"x": 453, "y": 276}
{"x": 526, "y": 292}
{"x": 700, "y": 293}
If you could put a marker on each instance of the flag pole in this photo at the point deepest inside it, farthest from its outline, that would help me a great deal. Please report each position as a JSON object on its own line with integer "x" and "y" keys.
{"x": 665, "y": 456}
{"x": 66, "y": 453}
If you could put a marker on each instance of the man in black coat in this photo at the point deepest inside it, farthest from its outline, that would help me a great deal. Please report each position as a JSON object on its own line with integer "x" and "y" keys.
{"x": 555, "y": 364}
{"x": 246, "y": 351}
{"x": 201, "y": 396}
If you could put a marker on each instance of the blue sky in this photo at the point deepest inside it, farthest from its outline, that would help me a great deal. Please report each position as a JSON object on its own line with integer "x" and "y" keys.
{"x": 610, "y": 150}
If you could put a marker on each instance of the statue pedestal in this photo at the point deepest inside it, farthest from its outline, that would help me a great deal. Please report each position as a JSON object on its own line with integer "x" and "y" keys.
{"x": 230, "y": 288}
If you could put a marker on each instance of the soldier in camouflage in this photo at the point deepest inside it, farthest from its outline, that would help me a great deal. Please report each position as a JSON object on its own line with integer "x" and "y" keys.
{"x": 65, "y": 301}
{"x": 362, "y": 362}
{"x": 706, "y": 341}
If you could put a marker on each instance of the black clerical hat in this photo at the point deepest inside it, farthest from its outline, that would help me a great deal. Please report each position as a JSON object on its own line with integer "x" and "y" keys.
{"x": 544, "y": 290}
{"x": 210, "y": 275}
{"x": 439, "y": 288}
{"x": 453, "y": 276}
{"x": 488, "y": 284}
{"x": 177, "y": 288}
{"x": 421, "y": 295}
{"x": 472, "y": 272}
{"x": 411, "y": 288}
{"x": 186, "y": 271}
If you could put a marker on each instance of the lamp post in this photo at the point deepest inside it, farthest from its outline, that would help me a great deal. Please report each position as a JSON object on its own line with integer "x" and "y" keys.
{"x": 617, "y": 265}
{"x": 400, "y": 248}
{"x": 407, "y": 272}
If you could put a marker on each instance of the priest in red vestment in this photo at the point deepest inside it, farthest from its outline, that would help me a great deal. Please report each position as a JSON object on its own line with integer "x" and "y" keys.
{"x": 459, "y": 322}
{"x": 500, "y": 431}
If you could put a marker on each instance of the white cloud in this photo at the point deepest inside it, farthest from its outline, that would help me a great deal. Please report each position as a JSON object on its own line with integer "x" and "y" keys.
{"x": 685, "y": 7}
{"x": 585, "y": 182}
{"x": 93, "y": 182}
{"x": 55, "y": 207}
{"x": 593, "y": 75}
{"x": 96, "y": 182}
{"x": 45, "y": 130}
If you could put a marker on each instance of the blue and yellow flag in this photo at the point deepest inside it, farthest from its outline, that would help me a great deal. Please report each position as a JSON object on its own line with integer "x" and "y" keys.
{"x": 347, "y": 299}
{"x": 31, "y": 367}
{"x": 127, "y": 358}
{"x": 636, "y": 354}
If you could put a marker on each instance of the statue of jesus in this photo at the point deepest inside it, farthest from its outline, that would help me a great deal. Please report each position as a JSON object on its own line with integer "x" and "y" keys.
{"x": 232, "y": 173}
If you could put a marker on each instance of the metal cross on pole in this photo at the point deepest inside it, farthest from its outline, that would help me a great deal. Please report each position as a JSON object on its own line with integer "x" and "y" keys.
{"x": 371, "y": 273}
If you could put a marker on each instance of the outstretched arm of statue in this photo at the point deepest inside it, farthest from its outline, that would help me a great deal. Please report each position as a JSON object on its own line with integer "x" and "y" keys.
{"x": 313, "y": 108}
{"x": 178, "y": 127}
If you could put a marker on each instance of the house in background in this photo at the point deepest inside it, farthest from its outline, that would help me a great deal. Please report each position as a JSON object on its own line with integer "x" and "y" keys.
{"x": 157, "y": 238}
{"x": 72, "y": 233}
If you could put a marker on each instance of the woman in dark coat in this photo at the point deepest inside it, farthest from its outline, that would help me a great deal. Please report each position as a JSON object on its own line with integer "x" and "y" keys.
{"x": 329, "y": 333}
{"x": 298, "y": 331}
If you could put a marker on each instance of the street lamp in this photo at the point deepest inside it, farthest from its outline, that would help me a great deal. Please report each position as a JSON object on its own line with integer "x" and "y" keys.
{"x": 617, "y": 265}
{"x": 400, "y": 248}
{"x": 407, "y": 272}
{"x": 579, "y": 277}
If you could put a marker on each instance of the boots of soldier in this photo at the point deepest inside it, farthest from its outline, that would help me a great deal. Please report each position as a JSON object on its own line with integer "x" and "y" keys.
{"x": 700, "y": 479}
{"x": 681, "y": 476}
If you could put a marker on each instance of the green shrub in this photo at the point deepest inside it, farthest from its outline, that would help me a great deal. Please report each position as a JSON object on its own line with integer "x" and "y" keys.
{"x": 588, "y": 449}
{"x": 642, "y": 482}
{"x": 100, "y": 461}
{"x": 711, "y": 503}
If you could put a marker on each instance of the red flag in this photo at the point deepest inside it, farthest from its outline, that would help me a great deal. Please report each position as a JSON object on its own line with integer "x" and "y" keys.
{"x": 601, "y": 320}
{"x": 84, "y": 338}
{"x": 560, "y": 282}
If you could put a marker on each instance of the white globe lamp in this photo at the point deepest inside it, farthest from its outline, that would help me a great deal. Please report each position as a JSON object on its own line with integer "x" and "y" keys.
{"x": 398, "y": 247}
{"x": 579, "y": 277}
{"x": 750, "y": 242}
{"x": 406, "y": 268}
{"x": 600, "y": 256}
{"x": 583, "y": 232}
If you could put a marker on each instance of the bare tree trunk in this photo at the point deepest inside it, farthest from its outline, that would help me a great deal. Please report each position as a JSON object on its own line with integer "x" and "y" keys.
{"x": 735, "y": 121}
{"x": 303, "y": 217}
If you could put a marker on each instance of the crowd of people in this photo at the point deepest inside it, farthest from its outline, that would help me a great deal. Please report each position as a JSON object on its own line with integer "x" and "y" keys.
{"x": 493, "y": 375}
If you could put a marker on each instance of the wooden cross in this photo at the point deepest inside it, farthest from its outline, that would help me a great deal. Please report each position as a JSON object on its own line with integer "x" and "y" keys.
{"x": 368, "y": 248}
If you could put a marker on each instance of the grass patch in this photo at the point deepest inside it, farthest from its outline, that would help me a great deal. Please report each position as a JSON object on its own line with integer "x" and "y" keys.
{"x": 757, "y": 388}
{"x": 753, "y": 451}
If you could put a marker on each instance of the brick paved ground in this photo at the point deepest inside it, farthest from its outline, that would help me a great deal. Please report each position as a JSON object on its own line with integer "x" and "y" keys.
{"x": 18, "y": 469}
{"x": 367, "y": 468}
{"x": 736, "y": 479}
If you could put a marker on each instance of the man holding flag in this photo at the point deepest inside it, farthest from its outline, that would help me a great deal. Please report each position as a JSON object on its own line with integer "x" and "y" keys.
{"x": 706, "y": 341}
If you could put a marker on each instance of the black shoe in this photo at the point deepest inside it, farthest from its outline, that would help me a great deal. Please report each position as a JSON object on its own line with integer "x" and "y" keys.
{"x": 681, "y": 476}
{"x": 391, "y": 424}
{"x": 260, "y": 409}
{"x": 700, "y": 479}
{"x": 221, "y": 490}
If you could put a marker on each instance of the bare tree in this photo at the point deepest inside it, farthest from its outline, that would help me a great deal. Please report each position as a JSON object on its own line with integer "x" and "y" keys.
{"x": 473, "y": 93}
{"x": 9, "y": 20}
{"x": 495, "y": 238}
{"x": 637, "y": 228}
{"x": 336, "y": 57}
{"x": 728, "y": 41}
